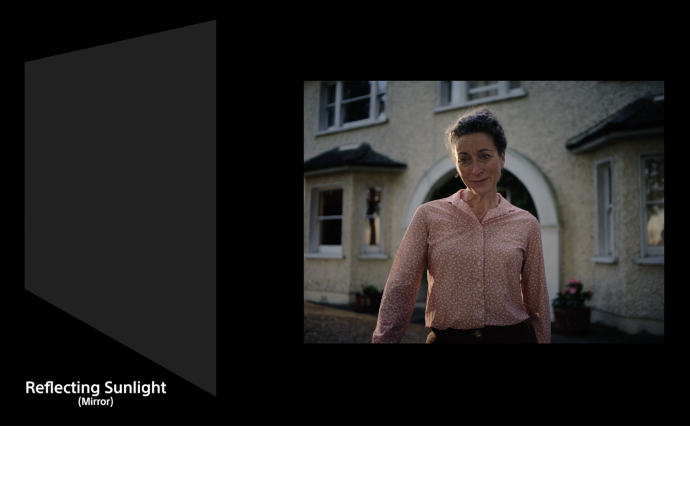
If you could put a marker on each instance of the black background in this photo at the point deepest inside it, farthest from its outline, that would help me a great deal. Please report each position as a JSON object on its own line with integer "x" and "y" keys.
{"x": 45, "y": 343}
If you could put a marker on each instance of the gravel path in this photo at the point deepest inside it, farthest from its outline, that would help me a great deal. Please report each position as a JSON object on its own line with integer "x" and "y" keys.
{"x": 333, "y": 325}
{"x": 329, "y": 325}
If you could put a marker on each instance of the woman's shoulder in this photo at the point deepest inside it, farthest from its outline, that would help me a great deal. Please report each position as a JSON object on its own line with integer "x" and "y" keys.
{"x": 528, "y": 223}
{"x": 520, "y": 215}
{"x": 442, "y": 202}
{"x": 523, "y": 214}
{"x": 435, "y": 207}
{"x": 433, "y": 211}
{"x": 517, "y": 212}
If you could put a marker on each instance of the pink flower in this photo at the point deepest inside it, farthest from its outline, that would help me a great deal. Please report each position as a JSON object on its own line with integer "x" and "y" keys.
{"x": 573, "y": 282}
{"x": 572, "y": 290}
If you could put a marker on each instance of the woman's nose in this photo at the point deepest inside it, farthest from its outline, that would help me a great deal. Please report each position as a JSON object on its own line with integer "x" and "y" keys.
{"x": 476, "y": 168}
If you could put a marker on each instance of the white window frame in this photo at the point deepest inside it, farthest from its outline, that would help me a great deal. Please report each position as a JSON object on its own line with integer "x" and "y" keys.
{"x": 337, "y": 125}
{"x": 314, "y": 250}
{"x": 649, "y": 254}
{"x": 373, "y": 251}
{"x": 460, "y": 94}
{"x": 604, "y": 212}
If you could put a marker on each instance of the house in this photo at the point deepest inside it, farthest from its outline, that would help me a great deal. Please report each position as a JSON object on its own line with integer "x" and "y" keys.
{"x": 586, "y": 158}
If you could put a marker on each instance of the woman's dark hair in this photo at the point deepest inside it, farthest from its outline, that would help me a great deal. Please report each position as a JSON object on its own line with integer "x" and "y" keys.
{"x": 476, "y": 120}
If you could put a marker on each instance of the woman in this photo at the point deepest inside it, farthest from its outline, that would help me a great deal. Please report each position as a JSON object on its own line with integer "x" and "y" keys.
{"x": 484, "y": 256}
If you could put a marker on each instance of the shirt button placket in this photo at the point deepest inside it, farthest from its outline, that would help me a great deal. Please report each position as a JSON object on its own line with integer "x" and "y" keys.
{"x": 480, "y": 267}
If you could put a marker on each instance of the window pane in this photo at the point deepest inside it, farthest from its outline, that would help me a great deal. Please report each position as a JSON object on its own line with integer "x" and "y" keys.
{"x": 330, "y": 94}
{"x": 609, "y": 231}
{"x": 382, "y": 104}
{"x": 654, "y": 172}
{"x": 331, "y": 203}
{"x": 381, "y": 87}
{"x": 330, "y": 116}
{"x": 474, "y": 85}
{"x": 330, "y": 231}
{"x": 603, "y": 209}
{"x": 514, "y": 85}
{"x": 483, "y": 93}
{"x": 373, "y": 200}
{"x": 655, "y": 225}
{"x": 356, "y": 110}
{"x": 372, "y": 231}
{"x": 355, "y": 89}
{"x": 446, "y": 92}
{"x": 610, "y": 184}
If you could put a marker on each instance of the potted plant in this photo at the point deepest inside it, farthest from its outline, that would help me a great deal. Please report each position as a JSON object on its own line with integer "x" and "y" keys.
{"x": 572, "y": 316}
{"x": 369, "y": 299}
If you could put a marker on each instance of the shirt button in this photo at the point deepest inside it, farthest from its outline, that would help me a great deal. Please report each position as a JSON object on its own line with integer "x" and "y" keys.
{"x": 478, "y": 333}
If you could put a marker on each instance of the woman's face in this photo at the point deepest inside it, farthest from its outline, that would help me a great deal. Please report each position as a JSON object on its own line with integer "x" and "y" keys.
{"x": 479, "y": 163}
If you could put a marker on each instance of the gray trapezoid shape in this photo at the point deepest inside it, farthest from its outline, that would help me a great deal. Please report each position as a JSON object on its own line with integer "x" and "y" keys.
{"x": 121, "y": 233}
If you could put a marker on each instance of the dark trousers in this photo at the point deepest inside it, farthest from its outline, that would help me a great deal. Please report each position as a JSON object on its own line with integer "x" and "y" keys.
{"x": 521, "y": 333}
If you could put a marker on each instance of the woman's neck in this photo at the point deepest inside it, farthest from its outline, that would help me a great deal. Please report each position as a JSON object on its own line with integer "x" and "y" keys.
{"x": 478, "y": 203}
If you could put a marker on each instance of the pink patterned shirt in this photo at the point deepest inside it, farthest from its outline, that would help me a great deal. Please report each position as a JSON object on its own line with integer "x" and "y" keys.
{"x": 479, "y": 273}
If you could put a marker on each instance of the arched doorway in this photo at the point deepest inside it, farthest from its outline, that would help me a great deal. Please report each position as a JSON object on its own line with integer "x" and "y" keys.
{"x": 509, "y": 186}
{"x": 437, "y": 178}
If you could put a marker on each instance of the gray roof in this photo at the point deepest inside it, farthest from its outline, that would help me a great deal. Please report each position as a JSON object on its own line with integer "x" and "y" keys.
{"x": 646, "y": 113}
{"x": 362, "y": 155}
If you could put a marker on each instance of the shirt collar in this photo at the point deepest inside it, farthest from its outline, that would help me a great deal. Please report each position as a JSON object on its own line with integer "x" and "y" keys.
{"x": 503, "y": 207}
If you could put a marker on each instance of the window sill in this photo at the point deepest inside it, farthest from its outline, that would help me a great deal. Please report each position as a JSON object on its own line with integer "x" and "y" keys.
{"x": 605, "y": 260}
{"x": 353, "y": 125}
{"x": 514, "y": 94}
{"x": 380, "y": 256}
{"x": 324, "y": 256}
{"x": 656, "y": 260}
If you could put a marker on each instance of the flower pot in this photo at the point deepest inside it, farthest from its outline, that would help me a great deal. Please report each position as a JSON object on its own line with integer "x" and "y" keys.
{"x": 365, "y": 302}
{"x": 573, "y": 322}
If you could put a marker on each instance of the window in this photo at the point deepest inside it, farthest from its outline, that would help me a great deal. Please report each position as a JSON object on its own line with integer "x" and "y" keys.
{"x": 458, "y": 94}
{"x": 652, "y": 207}
{"x": 345, "y": 105}
{"x": 372, "y": 221}
{"x": 603, "y": 188}
{"x": 326, "y": 222}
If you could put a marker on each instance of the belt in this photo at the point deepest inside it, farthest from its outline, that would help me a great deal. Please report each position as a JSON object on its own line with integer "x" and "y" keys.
{"x": 486, "y": 332}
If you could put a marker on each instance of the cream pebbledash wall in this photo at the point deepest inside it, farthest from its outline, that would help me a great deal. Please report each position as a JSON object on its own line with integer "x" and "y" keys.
{"x": 402, "y": 137}
{"x": 627, "y": 296}
{"x": 327, "y": 280}
{"x": 366, "y": 270}
{"x": 537, "y": 126}
{"x": 540, "y": 128}
{"x": 337, "y": 284}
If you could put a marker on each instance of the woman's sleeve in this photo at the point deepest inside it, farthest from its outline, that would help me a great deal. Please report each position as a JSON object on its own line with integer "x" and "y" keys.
{"x": 535, "y": 295}
{"x": 402, "y": 287}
